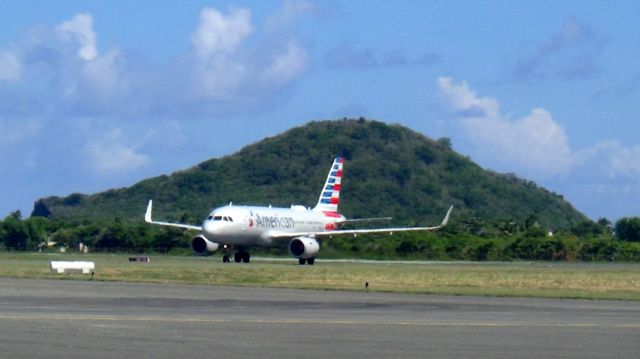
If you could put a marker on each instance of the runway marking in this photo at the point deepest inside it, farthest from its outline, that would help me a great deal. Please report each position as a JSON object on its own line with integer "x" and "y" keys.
{"x": 317, "y": 321}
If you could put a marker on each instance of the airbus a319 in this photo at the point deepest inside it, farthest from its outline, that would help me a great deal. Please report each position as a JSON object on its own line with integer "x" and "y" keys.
{"x": 242, "y": 227}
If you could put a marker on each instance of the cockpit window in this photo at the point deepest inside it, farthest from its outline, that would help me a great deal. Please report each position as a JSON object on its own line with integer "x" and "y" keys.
{"x": 210, "y": 218}
{"x": 217, "y": 218}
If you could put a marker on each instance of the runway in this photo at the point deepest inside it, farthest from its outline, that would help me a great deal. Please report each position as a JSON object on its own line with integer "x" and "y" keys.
{"x": 92, "y": 319}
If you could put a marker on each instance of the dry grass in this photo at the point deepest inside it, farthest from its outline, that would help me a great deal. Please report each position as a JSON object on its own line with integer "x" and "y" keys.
{"x": 556, "y": 280}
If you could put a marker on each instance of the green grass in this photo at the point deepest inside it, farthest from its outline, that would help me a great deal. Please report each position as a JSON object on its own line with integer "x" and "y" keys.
{"x": 519, "y": 279}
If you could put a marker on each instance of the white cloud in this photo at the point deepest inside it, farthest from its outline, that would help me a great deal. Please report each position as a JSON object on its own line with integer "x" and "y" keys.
{"x": 218, "y": 34}
{"x": 230, "y": 68}
{"x": 534, "y": 143}
{"x": 104, "y": 77}
{"x": 464, "y": 101}
{"x": 58, "y": 72}
{"x": 286, "y": 66}
{"x": 231, "y": 74}
{"x": 10, "y": 67}
{"x": 626, "y": 161}
{"x": 613, "y": 160}
{"x": 536, "y": 146}
{"x": 109, "y": 155}
{"x": 80, "y": 30}
{"x": 60, "y": 76}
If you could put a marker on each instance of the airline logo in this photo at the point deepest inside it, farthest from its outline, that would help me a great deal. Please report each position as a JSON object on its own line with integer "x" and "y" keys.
{"x": 331, "y": 193}
{"x": 274, "y": 221}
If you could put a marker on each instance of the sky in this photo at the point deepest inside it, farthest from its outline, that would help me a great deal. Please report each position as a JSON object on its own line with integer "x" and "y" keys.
{"x": 99, "y": 95}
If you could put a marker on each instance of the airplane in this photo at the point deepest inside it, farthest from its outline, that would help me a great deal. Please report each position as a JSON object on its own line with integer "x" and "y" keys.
{"x": 243, "y": 227}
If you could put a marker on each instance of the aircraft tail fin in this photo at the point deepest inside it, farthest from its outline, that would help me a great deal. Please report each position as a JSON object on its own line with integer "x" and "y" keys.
{"x": 330, "y": 195}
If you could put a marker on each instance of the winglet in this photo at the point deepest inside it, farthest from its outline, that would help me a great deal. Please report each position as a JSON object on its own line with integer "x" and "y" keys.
{"x": 446, "y": 218}
{"x": 147, "y": 216}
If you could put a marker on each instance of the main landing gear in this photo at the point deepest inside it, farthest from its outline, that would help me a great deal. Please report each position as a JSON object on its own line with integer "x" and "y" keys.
{"x": 309, "y": 261}
{"x": 238, "y": 257}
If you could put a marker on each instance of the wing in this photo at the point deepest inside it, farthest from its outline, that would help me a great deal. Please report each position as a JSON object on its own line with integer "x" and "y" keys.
{"x": 289, "y": 235}
{"x": 361, "y": 220}
{"x": 147, "y": 218}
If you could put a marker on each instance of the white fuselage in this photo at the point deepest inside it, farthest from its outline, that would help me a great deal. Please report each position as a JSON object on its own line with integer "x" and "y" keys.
{"x": 252, "y": 225}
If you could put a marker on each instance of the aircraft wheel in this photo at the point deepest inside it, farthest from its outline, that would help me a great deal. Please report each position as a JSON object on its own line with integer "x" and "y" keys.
{"x": 245, "y": 257}
{"x": 302, "y": 261}
{"x": 310, "y": 261}
{"x": 225, "y": 258}
{"x": 237, "y": 257}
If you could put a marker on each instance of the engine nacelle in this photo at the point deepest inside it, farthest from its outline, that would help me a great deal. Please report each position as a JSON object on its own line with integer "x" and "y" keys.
{"x": 304, "y": 247}
{"x": 203, "y": 246}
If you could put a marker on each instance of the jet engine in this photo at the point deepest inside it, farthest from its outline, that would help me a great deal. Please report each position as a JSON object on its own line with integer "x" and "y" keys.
{"x": 203, "y": 246}
{"x": 304, "y": 247}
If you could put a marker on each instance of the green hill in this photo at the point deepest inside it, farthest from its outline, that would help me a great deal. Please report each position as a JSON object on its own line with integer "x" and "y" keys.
{"x": 390, "y": 170}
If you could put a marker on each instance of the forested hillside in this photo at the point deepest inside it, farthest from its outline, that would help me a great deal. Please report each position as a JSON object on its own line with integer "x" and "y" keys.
{"x": 390, "y": 170}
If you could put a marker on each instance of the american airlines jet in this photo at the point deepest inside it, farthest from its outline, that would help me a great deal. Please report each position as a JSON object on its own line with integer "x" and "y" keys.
{"x": 243, "y": 227}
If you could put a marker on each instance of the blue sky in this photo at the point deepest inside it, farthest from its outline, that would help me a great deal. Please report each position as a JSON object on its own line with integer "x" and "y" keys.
{"x": 98, "y": 95}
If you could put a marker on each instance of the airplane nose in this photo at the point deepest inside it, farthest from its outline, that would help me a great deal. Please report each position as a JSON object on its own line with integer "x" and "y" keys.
{"x": 209, "y": 228}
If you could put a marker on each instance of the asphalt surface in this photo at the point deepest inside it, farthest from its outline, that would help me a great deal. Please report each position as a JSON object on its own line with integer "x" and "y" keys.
{"x": 92, "y": 319}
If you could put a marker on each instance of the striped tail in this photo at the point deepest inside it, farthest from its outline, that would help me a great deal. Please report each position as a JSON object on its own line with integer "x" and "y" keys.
{"x": 330, "y": 196}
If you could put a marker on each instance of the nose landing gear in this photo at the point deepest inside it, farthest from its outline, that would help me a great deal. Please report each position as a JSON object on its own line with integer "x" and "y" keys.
{"x": 240, "y": 256}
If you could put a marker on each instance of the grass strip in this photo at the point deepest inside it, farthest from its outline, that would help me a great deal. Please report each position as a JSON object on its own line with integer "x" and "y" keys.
{"x": 519, "y": 279}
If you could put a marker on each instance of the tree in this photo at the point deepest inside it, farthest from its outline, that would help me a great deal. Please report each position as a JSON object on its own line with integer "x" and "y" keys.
{"x": 17, "y": 214}
{"x": 168, "y": 239}
{"x": 606, "y": 224}
{"x": 37, "y": 228}
{"x": 14, "y": 234}
{"x": 444, "y": 143}
{"x": 628, "y": 229}
{"x": 588, "y": 229}
{"x": 117, "y": 236}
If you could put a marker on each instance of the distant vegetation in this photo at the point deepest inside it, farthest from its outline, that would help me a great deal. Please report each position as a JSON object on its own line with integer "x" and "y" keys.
{"x": 390, "y": 171}
{"x": 461, "y": 240}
